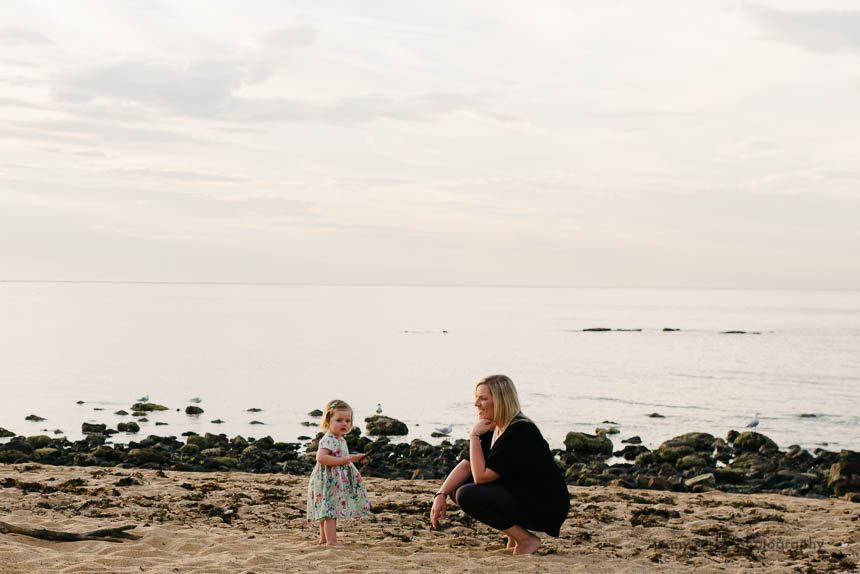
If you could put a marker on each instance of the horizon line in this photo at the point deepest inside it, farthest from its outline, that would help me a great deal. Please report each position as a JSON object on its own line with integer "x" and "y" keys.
{"x": 458, "y": 285}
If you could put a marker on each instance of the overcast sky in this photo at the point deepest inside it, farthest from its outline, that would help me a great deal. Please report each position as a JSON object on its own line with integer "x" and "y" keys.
{"x": 599, "y": 143}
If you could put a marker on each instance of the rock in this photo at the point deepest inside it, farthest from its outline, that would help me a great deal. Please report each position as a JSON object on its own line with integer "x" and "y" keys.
{"x": 308, "y": 424}
{"x": 844, "y": 475}
{"x": 656, "y": 416}
{"x": 380, "y": 425}
{"x": 753, "y": 463}
{"x": 436, "y": 434}
{"x": 192, "y": 410}
{"x": 690, "y": 461}
{"x": 706, "y": 479}
{"x": 190, "y": 450}
{"x": 752, "y": 441}
{"x": 39, "y": 441}
{"x": 597, "y": 329}
{"x": 701, "y": 442}
{"x": 87, "y": 428}
{"x": 217, "y": 422}
{"x": 724, "y": 476}
{"x": 668, "y": 452}
{"x": 45, "y": 454}
{"x": 605, "y": 431}
{"x": 645, "y": 458}
{"x": 147, "y": 407}
{"x": 631, "y": 451}
{"x": 669, "y": 330}
{"x": 130, "y": 427}
{"x": 315, "y": 413}
{"x": 160, "y": 424}
{"x": 586, "y": 444}
{"x": 303, "y": 437}
{"x": 659, "y": 483}
{"x": 256, "y": 423}
{"x": 79, "y": 402}
{"x": 5, "y": 433}
{"x": 731, "y": 436}
{"x": 143, "y": 456}
{"x": 807, "y": 415}
{"x": 632, "y": 440}
{"x": 256, "y": 410}
{"x": 121, "y": 413}
{"x": 35, "y": 418}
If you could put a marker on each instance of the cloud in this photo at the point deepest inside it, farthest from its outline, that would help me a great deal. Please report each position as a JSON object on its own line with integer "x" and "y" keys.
{"x": 10, "y": 36}
{"x": 817, "y": 31}
{"x": 178, "y": 175}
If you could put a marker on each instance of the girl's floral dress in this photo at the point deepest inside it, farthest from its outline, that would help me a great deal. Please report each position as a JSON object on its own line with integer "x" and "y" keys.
{"x": 336, "y": 491}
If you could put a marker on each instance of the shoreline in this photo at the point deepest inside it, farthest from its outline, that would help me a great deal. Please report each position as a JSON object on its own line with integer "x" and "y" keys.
{"x": 240, "y": 522}
{"x": 747, "y": 462}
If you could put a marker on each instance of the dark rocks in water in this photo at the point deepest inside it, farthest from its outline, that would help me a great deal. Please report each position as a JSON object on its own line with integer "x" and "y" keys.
{"x": 256, "y": 410}
{"x": 700, "y": 441}
{"x": 315, "y": 413}
{"x": 605, "y": 431}
{"x": 807, "y": 415}
{"x": 217, "y": 421}
{"x": 580, "y": 443}
{"x": 630, "y": 452}
{"x": 308, "y": 424}
{"x": 632, "y": 440}
{"x": 597, "y": 329}
{"x": 138, "y": 413}
{"x": 303, "y": 437}
{"x": 731, "y": 436}
{"x": 5, "y": 433}
{"x": 143, "y": 420}
{"x": 256, "y": 423}
{"x": 160, "y": 424}
{"x": 629, "y": 330}
{"x": 129, "y": 427}
{"x": 751, "y": 441}
{"x": 98, "y": 409}
{"x": 192, "y": 410}
{"x": 121, "y": 413}
{"x": 656, "y": 416}
{"x": 609, "y": 423}
{"x": 437, "y": 434}
{"x": 79, "y": 402}
{"x": 740, "y": 333}
{"x": 87, "y": 428}
{"x": 669, "y": 330}
{"x": 39, "y": 441}
{"x": 691, "y": 461}
{"x": 58, "y": 431}
{"x": 147, "y": 407}
{"x": 381, "y": 425}
{"x": 35, "y": 418}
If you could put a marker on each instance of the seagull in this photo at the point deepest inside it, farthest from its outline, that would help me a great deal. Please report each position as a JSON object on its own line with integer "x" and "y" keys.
{"x": 446, "y": 430}
{"x": 143, "y": 399}
{"x": 195, "y": 400}
{"x": 379, "y": 408}
{"x": 753, "y": 423}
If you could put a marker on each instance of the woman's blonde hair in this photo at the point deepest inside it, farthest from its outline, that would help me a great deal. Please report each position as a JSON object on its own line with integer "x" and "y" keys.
{"x": 330, "y": 407}
{"x": 506, "y": 402}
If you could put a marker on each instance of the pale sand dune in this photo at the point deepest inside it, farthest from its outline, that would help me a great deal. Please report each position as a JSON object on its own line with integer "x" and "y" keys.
{"x": 180, "y": 521}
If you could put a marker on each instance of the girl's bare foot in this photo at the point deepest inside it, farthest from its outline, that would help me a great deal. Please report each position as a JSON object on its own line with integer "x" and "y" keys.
{"x": 527, "y": 546}
{"x": 322, "y": 541}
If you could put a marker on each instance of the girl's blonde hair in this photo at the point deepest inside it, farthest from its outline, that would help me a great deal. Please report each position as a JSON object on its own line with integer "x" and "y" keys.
{"x": 506, "y": 402}
{"x": 330, "y": 407}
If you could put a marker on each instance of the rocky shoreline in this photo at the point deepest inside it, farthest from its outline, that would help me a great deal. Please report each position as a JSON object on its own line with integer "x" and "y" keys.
{"x": 743, "y": 462}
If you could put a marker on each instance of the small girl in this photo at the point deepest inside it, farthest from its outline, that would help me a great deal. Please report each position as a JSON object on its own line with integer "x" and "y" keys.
{"x": 336, "y": 489}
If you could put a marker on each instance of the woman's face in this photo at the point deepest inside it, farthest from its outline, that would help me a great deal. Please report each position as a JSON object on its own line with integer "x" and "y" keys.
{"x": 484, "y": 402}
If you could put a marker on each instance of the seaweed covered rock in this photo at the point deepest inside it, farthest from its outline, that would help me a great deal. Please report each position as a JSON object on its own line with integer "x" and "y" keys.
{"x": 583, "y": 444}
{"x": 380, "y": 425}
{"x": 751, "y": 441}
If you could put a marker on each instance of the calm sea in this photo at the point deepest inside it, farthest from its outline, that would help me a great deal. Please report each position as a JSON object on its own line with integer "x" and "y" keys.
{"x": 419, "y": 350}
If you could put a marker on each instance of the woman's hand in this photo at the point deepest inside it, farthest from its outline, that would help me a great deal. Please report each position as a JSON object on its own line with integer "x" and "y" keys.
{"x": 437, "y": 511}
{"x": 482, "y": 426}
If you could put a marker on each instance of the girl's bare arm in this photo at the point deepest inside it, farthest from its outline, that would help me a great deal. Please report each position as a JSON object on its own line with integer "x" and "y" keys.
{"x": 325, "y": 457}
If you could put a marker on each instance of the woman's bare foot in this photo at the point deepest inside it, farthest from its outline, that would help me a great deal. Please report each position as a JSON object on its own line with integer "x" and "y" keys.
{"x": 337, "y": 544}
{"x": 527, "y": 546}
{"x": 511, "y": 542}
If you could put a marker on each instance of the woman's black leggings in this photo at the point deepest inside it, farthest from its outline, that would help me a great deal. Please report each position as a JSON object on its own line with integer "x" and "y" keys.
{"x": 491, "y": 503}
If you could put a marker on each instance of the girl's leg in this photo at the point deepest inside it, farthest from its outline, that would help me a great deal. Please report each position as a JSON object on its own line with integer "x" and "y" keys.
{"x": 322, "y": 533}
{"x": 330, "y": 530}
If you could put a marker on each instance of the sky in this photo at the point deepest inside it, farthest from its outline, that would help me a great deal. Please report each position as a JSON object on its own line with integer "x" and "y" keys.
{"x": 711, "y": 144}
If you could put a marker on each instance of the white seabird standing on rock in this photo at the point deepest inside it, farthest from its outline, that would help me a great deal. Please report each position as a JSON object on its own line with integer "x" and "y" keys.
{"x": 753, "y": 423}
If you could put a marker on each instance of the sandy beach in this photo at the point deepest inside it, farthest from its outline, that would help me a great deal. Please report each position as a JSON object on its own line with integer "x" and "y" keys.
{"x": 238, "y": 522}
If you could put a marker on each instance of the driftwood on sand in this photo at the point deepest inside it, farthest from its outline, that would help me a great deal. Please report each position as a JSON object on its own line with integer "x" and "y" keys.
{"x": 117, "y": 534}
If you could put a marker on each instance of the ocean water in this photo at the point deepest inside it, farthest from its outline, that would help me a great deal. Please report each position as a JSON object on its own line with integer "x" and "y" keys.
{"x": 418, "y": 351}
